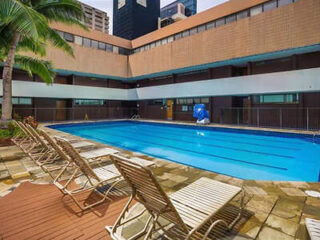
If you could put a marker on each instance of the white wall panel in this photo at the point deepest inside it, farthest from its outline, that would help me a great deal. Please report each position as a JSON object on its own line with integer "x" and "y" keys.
{"x": 282, "y": 82}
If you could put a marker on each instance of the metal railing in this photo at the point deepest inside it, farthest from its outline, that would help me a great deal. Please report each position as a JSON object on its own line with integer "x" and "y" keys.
{"x": 75, "y": 114}
{"x": 290, "y": 118}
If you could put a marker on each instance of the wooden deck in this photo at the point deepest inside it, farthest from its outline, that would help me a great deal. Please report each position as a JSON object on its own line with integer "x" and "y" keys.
{"x": 41, "y": 212}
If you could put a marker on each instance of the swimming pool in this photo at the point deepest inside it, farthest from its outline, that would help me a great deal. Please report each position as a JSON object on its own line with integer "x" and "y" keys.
{"x": 244, "y": 154}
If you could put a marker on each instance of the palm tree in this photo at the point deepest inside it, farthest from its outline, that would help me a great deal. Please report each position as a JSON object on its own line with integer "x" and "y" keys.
{"x": 25, "y": 27}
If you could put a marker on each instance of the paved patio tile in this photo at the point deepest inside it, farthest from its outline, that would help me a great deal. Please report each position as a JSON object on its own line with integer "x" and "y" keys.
{"x": 289, "y": 208}
{"x": 10, "y": 153}
{"x": 282, "y": 224}
{"x": 250, "y": 228}
{"x": 293, "y": 192}
{"x": 255, "y": 191}
{"x": 17, "y": 170}
{"x": 268, "y": 233}
{"x": 262, "y": 203}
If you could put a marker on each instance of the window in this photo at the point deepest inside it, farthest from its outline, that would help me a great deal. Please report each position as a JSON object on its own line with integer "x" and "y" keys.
{"x": 256, "y": 10}
{"x": 157, "y": 102}
{"x": 86, "y": 42}
{"x": 201, "y": 28}
{"x": 205, "y": 100}
{"x": 115, "y": 49}
{"x": 220, "y": 22}
{"x": 124, "y": 51}
{"x": 147, "y": 47}
{"x": 158, "y": 43}
{"x": 211, "y": 25}
{"x": 170, "y": 39}
{"x": 269, "y": 5}
{"x": 142, "y": 3}
{"x": 184, "y": 108}
{"x": 102, "y": 46}
{"x": 109, "y": 48}
{"x": 153, "y": 45}
{"x": 19, "y": 101}
{"x": 78, "y": 40}
{"x": 60, "y": 33}
{"x": 164, "y": 41}
{"x": 242, "y": 14}
{"x": 284, "y": 2}
{"x": 94, "y": 44}
{"x": 277, "y": 98}
{"x": 193, "y": 31}
{"x": 186, "y": 33}
{"x": 197, "y": 101}
{"x": 231, "y": 18}
{"x": 177, "y": 36}
{"x": 88, "y": 102}
{"x": 68, "y": 37}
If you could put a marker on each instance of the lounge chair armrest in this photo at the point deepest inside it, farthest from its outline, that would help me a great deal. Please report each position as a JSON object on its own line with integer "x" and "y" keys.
{"x": 215, "y": 223}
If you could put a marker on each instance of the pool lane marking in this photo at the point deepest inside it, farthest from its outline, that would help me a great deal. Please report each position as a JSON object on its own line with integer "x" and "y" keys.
{"x": 210, "y": 145}
{"x": 221, "y": 133}
{"x": 220, "y": 138}
{"x": 186, "y": 150}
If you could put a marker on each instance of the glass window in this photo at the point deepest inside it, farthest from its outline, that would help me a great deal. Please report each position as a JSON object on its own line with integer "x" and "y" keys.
{"x": 220, "y": 22}
{"x": 147, "y": 47}
{"x": 102, "y": 46}
{"x": 177, "y": 36}
{"x": 242, "y": 14}
{"x": 124, "y": 51}
{"x": 170, "y": 39}
{"x": 186, "y": 33}
{"x": 201, "y": 28}
{"x": 94, "y": 44}
{"x": 284, "y": 2}
{"x": 193, "y": 31}
{"x": 211, "y": 25}
{"x": 205, "y": 100}
{"x": 142, "y": 49}
{"x": 156, "y": 102}
{"x": 197, "y": 101}
{"x": 256, "y": 10}
{"x": 153, "y": 45}
{"x": 60, "y": 33}
{"x": 88, "y": 102}
{"x": 68, "y": 37}
{"x": 115, "y": 49}
{"x": 158, "y": 43}
{"x": 78, "y": 40}
{"x": 136, "y": 50}
{"x": 86, "y": 42}
{"x": 277, "y": 98}
{"x": 231, "y": 18}
{"x": 20, "y": 101}
{"x": 109, "y": 48}
{"x": 184, "y": 108}
{"x": 189, "y": 100}
{"x": 269, "y": 5}
{"x": 164, "y": 41}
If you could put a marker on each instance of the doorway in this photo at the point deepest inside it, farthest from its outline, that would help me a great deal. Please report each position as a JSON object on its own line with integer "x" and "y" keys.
{"x": 169, "y": 109}
{"x": 61, "y": 111}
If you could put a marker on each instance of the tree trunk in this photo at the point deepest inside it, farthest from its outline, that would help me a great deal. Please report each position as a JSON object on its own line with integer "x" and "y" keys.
{"x": 7, "y": 80}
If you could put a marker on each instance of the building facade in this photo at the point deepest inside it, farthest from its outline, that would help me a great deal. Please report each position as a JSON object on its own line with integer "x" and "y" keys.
{"x": 169, "y": 10}
{"x": 252, "y": 63}
{"x": 135, "y": 18}
{"x": 96, "y": 19}
{"x": 171, "y": 14}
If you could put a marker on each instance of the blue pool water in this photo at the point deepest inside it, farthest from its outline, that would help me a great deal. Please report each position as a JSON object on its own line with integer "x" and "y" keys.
{"x": 244, "y": 154}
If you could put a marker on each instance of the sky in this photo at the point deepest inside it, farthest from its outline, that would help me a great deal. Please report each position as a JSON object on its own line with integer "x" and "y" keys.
{"x": 107, "y": 6}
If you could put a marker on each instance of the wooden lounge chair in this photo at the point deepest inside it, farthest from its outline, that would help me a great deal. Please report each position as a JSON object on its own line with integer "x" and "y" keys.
{"x": 21, "y": 136}
{"x": 187, "y": 210}
{"x": 313, "y": 227}
{"x": 95, "y": 178}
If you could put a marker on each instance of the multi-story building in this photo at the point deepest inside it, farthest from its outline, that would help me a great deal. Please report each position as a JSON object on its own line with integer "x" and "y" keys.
{"x": 171, "y": 14}
{"x": 250, "y": 62}
{"x": 96, "y": 19}
{"x": 169, "y": 10}
{"x": 134, "y": 18}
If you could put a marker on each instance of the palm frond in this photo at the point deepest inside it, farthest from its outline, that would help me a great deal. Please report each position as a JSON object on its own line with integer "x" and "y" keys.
{"x": 21, "y": 18}
{"x": 66, "y": 11}
{"x": 36, "y": 47}
{"x": 36, "y": 66}
{"x": 57, "y": 41}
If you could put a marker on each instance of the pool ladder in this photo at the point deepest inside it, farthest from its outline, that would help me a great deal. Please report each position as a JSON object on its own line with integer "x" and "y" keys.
{"x": 135, "y": 116}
